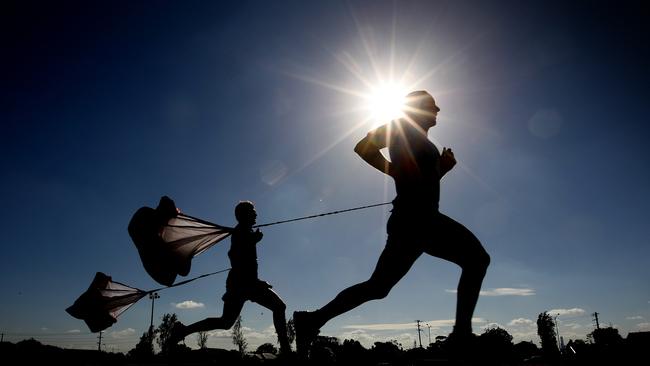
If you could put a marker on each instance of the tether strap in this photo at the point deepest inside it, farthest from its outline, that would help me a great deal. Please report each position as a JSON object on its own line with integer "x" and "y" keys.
{"x": 187, "y": 281}
{"x": 323, "y": 214}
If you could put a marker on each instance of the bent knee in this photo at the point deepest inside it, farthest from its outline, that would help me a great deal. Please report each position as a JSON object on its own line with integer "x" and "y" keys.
{"x": 478, "y": 261}
{"x": 228, "y": 322}
{"x": 484, "y": 258}
{"x": 377, "y": 291}
{"x": 275, "y": 304}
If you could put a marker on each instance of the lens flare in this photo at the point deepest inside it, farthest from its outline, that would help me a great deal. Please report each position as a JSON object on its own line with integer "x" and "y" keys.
{"x": 386, "y": 102}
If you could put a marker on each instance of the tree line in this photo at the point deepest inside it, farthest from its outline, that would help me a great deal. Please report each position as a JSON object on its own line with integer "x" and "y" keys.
{"x": 493, "y": 346}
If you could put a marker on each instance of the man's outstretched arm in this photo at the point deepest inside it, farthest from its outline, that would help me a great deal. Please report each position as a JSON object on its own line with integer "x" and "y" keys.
{"x": 369, "y": 149}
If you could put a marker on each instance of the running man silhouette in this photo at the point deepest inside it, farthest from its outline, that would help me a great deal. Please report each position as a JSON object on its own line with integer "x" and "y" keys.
{"x": 242, "y": 283}
{"x": 415, "y": 225}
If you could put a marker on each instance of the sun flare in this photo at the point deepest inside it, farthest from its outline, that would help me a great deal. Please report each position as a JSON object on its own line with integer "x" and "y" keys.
{"x": 386, "y": 102}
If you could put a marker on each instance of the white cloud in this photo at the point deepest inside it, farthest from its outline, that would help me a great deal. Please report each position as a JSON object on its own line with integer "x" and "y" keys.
{"x": 572, "y": 325}
{"x": 123, "y": 333}
{"x": 369, "y": 339}
{"x": 73, "y": 331}
{"x": 636, "y": 317}
{"x": 400, "y": 326}
{"x": 528, "y": 336}
{"x": 188, "y": 304}
{"x": 222, "y": 338}
{"x": 266, "y": 335}
{"x": 221, "y": 333}
{"x": 520, "y": 322}
{"x": 505, "y": 291}
{"x": 564, "y": 312}
{"x": 257, "y": 337}
{"x": 645, "y": 326}
{"x": 407, "y": 340}
{"x": 435, "y": 324}
{"x": 360, "y": 335}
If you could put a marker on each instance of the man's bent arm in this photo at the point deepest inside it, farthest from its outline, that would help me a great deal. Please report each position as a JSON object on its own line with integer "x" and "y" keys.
{"x": 447, "y": 161}
{"x": 369, "y": 149}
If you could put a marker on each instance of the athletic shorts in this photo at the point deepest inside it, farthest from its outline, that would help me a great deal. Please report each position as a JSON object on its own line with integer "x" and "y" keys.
{"x": 246, "y": 291}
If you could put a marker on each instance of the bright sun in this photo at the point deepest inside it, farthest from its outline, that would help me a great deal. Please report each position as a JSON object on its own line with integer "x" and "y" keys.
{"x": 386, "y": 102}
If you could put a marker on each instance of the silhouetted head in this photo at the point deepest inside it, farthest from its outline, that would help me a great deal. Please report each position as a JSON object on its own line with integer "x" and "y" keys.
{"x": 245, "y": 213}
{"x": 422, "y": 108}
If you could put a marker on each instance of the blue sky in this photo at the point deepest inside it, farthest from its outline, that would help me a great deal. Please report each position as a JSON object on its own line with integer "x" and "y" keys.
{"x": 106, "y": 107}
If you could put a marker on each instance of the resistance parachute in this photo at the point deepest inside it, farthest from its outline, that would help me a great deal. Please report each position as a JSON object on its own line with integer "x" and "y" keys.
{"x": 103, "y": 302}
{"x": 106, "y": 299}
{"x": 167, "y": 240}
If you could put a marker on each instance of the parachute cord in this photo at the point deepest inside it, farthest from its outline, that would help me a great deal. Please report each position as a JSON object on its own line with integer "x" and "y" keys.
{"x": 323, "y": 214}
{"x": 187, "y": 281}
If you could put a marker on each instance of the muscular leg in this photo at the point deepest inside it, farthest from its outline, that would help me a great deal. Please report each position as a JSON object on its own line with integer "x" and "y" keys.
{"x": 455, "y": 243}
{"x": 394, "y": 262}
{"x": 392, "y": 265}
{"x": 231, "y": 310}
{"x": 270, "y": 300}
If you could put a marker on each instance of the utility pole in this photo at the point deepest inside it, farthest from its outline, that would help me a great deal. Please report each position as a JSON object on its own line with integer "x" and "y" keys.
{"x": 419, "y": 330}
{"x": 153, "y": 296}
{"x": 99, "y": 343}
{"x": 557, "y": 333}
{"x": 595, "y": 314}
{"x": 428, "y": 326}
